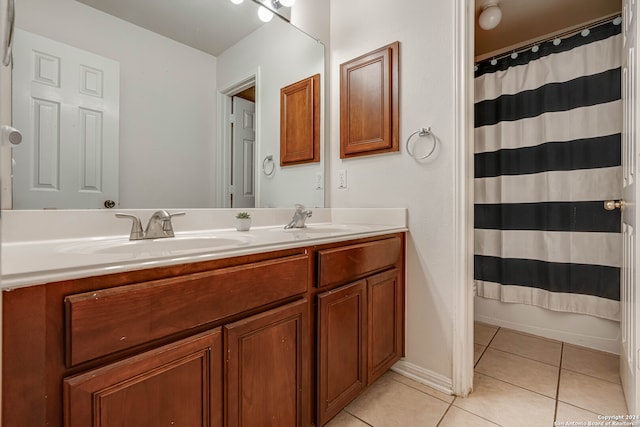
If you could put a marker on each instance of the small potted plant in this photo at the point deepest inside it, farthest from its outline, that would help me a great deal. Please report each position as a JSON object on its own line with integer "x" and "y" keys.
{"x": 243, "y": 221}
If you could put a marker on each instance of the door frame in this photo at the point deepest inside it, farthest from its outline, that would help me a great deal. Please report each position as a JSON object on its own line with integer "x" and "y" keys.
{"x": 223, "y": 161}
{"x": 463, "y": 290}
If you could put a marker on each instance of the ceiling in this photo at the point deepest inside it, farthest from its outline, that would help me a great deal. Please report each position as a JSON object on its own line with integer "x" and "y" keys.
{"x": 208, "y": 25}
{"x": 523, "y": 21}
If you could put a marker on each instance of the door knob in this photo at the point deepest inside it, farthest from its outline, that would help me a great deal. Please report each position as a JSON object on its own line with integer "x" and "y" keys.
{"x": 613, "y": 204}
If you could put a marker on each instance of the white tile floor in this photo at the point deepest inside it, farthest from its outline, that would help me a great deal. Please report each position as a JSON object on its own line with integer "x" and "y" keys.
{"x": 520, "y": 380}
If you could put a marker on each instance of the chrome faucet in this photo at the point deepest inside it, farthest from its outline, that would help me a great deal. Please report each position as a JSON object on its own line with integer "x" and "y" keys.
{"x": 299, "y": 217}
{"x": 158, "y": 227}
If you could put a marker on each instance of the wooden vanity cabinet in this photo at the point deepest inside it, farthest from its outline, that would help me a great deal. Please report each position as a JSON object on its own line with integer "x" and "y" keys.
{"x": 142, "y": 390}
{"x": 267, "y": 368}
{"x": 276, "y": 339}
{"x": 360, "y": 324}
{"x": 342, "y": 326}
{"x": 222, "y": 342}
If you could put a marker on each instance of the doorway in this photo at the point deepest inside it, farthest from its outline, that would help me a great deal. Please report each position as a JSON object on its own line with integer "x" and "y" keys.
{"x": 237, "y": 144}
{"x": 632, "y": 302}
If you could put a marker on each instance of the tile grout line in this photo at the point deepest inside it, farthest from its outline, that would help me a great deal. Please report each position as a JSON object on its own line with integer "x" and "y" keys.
{"x": 486, "y": 347}
{"x": 516, "y": 385}
{"x": 445, "y": 412}
{"x": 555, "y": 411}
{"x": 524, "y": 357}
{"x": 422, "y": 391}
{"x": 594, "y": 377}
{"x": 357, "y": 418}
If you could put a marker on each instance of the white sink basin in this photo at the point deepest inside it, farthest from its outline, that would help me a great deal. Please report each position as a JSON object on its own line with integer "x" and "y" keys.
{"x": 171, "y": 245}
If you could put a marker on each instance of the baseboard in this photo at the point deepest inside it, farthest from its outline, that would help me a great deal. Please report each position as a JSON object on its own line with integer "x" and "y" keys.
{"x": 578, "y": 329}
{"x": 424, "y": 376}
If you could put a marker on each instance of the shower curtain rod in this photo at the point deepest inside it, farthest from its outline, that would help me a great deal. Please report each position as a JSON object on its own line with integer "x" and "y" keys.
{"x": 517, "y": 48}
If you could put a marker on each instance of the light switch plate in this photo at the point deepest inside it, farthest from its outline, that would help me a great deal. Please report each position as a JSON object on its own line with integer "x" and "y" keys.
{"x": 342, "y": 178}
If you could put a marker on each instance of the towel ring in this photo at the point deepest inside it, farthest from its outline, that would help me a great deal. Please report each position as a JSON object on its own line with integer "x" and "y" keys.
{"x": 265, "y": 165}
{"x": 422, "y": 132}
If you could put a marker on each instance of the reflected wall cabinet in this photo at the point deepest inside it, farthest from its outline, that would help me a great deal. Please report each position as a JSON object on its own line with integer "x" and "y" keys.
{"x": 369, "y": 103}
{"x": 300, "y": 122}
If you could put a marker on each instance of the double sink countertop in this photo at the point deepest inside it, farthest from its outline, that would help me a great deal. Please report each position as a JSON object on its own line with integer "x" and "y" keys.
{"x": 47, "y": 246}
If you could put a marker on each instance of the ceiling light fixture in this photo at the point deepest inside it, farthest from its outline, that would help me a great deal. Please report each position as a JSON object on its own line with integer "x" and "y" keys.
{"x": 265, "y": 14}
{"x": 490, "y": 16}
{"x": 268, "y": 7}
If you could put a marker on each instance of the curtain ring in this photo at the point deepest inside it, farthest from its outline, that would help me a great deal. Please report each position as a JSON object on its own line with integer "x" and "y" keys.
{"x": 265, "y": 165}
{"x": 422, "y": 132}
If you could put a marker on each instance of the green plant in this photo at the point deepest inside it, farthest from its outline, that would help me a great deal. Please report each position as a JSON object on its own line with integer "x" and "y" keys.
{"x": 243, "y": 215}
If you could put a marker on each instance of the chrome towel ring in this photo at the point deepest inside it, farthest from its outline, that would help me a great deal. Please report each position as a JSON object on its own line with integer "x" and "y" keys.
{"x": 422, "y": 133}
{"x": 265, "y": 165}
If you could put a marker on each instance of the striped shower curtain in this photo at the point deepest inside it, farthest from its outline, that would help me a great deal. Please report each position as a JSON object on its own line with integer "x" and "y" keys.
{"x": 548, "y": 127}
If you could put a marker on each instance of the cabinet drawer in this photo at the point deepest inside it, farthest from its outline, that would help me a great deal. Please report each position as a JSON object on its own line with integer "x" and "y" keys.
{"x": 106, "y": 321}
{"x": 348, "y": 263}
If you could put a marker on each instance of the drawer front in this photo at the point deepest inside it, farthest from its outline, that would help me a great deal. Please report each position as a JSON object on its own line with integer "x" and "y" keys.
{"x": 106, "y": 321}
{"x": 348, "y": 263}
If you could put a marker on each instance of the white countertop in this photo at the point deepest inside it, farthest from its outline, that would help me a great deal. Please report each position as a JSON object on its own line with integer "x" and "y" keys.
{"x": 46, "y": 246}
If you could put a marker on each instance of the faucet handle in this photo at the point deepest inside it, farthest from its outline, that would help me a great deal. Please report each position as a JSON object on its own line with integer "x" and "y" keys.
{"x": 168, "y": 227}
{"x": 165, "y": 217}
{"x": 136, "y": 226}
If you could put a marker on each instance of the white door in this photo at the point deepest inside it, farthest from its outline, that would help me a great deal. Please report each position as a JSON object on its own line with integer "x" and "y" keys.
{"x": 629, "y": 297}
{"x": 66, "y": 103}
{"x": 243, "y": 154}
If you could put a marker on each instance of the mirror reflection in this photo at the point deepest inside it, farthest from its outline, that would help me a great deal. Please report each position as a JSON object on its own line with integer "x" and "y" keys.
{"x": 167, "y": 105}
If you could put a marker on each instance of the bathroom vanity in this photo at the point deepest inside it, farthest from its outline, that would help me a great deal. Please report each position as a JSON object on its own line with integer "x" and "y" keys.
{"x": 278, "y": 335}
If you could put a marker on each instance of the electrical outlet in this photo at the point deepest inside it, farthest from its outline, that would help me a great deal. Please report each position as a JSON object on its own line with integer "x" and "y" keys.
{"x": 342, "y": 178}
{"x": 319, "y": 181}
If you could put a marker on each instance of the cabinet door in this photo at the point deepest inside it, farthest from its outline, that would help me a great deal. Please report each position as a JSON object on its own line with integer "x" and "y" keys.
{"x": 177, "y": 384}
{"x": 267, "y": 368}
{"x": 341, "y": 348}
{"x": 385, "y": 318}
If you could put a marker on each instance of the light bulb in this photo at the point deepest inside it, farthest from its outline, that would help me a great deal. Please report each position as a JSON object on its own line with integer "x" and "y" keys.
{"x": 490, "y": 17}
{"x": 236, "y": 1}
{"x": 287, "y": 3}
{"x": 265, "y": 14}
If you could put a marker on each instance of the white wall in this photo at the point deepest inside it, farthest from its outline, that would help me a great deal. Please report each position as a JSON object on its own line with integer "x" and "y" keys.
{"x": 278, "y": 67}
{"x": 425, "y": 30}
{"x": 163, "y": 83}
{"x": 312, "y": 16}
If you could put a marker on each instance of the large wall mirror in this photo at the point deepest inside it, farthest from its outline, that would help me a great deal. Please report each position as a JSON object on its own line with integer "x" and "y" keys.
{"x": 169, "y": 104}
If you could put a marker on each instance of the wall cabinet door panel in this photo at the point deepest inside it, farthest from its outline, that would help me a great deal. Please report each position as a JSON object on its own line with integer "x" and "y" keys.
{"x": 300, "y": 122}
{"x": 267, "y": 368}
{"x": 341, "y": 348}
{"x": 369, "y": 100}
{"x": 177, "y": 384}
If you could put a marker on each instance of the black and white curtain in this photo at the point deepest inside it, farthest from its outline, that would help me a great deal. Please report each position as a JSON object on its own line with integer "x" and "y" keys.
{"x": 548, "y": 125}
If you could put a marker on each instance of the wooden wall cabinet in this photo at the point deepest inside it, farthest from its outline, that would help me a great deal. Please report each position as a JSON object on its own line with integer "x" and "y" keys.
{"x": 369, "y": 103}
{"x": 300, "y": 122}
